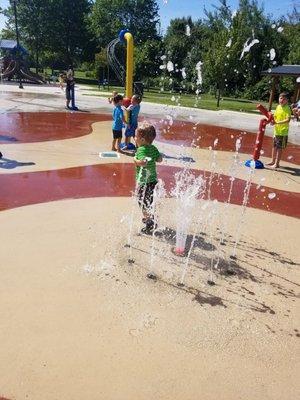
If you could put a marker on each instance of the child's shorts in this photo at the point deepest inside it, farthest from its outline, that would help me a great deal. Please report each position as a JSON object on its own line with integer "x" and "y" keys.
{"x": 130, "y": 132}
{"x": 280, "y": 142}
{"x": 145, "y": 195}
{"x": 117, "y": 134}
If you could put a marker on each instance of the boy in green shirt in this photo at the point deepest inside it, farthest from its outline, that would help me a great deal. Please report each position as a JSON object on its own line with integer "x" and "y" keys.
{"x": 145, "y": 159}
{"x": 282, "y": 117}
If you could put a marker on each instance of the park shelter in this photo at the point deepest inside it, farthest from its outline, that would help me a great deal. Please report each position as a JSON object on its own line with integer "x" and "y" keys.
{"x": 12, "y": 46}
{"x": 283, "y": 71}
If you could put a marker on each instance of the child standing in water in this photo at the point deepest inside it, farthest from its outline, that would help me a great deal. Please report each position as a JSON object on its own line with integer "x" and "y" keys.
{"x": 145, "y": 160}
{"x": 133, "y": 111}
{"x": 118, "y": 119}
{"x": 282, "y": 117}
{"x": 70, "y": 83}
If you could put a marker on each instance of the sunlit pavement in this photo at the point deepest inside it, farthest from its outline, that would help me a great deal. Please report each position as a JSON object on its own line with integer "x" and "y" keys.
{"x": 79, "y": 321}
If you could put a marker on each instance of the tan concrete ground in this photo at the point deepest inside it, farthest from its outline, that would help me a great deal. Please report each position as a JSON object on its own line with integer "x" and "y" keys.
{"x": 79, "y": 322}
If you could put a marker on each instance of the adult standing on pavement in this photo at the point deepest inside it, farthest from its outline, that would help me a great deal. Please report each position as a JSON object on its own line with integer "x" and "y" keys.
{"x": 69, "y": 86}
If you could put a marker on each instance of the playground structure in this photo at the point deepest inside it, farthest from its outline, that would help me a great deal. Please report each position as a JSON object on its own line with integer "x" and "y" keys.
{"x": 260, "y": 137}
{"x": 13, "y": 64}
{"x": 125, "y": 76}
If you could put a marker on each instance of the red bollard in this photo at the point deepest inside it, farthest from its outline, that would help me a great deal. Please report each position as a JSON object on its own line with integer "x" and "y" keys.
{"x": 260, "y": 137}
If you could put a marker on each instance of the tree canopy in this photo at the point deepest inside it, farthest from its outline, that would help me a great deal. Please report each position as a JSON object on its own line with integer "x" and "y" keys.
{"x": 226, "y": 49}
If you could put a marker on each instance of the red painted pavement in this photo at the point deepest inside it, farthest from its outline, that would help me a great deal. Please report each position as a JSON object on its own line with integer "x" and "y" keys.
{"x": 25, "y": 127}
{"x": 46, "y": 126}
{"x": 186, "y": 133}
{"x": 114, "y": 180}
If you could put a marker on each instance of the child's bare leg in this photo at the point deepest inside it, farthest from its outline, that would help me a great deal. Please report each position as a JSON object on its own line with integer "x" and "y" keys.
{"x": 127, "y": 140}
{"x": 118, "y": 144}
{"x": 113, "y": 146}
{"x": 278, "y": 158}
{"x": 273, "y": 157}
{"x": 146, "y": 215}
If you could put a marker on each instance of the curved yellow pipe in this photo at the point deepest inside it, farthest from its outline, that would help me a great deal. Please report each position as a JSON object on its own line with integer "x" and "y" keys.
{"x": 129, "y": 65}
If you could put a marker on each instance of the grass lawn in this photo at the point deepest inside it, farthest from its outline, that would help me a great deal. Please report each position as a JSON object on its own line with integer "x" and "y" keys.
{"x": 204, "y": 101}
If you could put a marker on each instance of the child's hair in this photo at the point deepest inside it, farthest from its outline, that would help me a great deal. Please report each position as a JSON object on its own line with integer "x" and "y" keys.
{"x": 117, "y": 98}
{"x": 147, "y": 132}
{"x": 137, "y": 98}
{"x": 285, "y": 95}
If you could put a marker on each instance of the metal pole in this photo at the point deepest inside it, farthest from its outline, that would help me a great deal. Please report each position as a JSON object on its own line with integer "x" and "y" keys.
{"x": 18, "y": 43}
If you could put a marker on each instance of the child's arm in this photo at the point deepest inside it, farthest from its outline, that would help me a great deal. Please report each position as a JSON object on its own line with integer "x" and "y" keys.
{"x": 158, "y": 156}
{"x": 140, "y": 163}
{"x": 283, "y": 122}
{"x": 129, "y": 108}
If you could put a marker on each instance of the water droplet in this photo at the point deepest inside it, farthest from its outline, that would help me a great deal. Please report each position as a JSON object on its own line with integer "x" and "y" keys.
{"x": 229, "y": 43}
{"x": 272, "y": 196}
{"x": 272, "y": 54}
{"x": 238, "y": 144}
{"x": 252, "y": 164}
{"x": 170, "y": 66}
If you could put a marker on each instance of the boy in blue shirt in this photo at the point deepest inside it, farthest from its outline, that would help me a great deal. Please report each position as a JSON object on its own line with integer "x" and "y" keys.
{"x": 132, "y": 125}
{"x": 118, "y": 119}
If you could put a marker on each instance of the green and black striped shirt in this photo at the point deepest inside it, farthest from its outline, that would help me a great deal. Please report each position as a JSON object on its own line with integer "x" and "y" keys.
{"x": 147, "y": 174}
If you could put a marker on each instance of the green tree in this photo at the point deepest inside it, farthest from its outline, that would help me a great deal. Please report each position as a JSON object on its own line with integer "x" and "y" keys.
{"x": 147, "y": 59}
{"x": 108, "y": 17}
{"x": 56, "y": 27}
{"x": 178, "y": 43}
{"x": 69, "y": 32}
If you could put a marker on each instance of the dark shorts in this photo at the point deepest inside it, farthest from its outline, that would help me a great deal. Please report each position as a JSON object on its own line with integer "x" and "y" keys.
{"x": 280, "y": 142}
{"x": 145, "y": 195}
{"x": 117, "y": 134}
{"x": 130, "y": 132}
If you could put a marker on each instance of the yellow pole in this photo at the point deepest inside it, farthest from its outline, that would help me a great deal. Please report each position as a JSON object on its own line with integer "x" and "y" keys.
{"x": 129, "y": 64}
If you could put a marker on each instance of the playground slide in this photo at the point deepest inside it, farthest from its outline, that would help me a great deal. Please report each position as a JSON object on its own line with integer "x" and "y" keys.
{"x": 10, "y": 70}
{"x": 31, "y": 76}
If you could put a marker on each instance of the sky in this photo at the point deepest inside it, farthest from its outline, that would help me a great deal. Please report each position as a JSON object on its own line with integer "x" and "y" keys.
{"x": 179, "y": 8}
